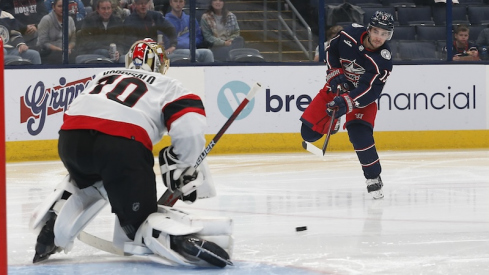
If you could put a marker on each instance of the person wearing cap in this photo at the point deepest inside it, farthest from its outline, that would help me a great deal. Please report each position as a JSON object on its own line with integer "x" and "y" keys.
{"x": 359, "y": 63}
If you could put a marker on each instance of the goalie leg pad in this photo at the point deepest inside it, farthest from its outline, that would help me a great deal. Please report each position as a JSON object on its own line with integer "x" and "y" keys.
{"x": 157, "y": 236}
{"x": 77, "y": 212}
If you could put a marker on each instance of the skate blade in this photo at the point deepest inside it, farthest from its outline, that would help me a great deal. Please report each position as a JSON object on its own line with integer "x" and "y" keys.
{"x": 377, "y": 195}
{"x": 40, "y": 258}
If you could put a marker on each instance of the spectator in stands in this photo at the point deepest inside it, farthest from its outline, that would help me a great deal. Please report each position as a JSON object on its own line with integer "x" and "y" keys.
{"x": 28, "y": 15}
{"x": 221, "y": 30}
{"x": 330, "y": 33}
{"x": 119, "y": 8}
{"x": 75, "y": 7}
{"x": 181, "y": 22}
{"x": 14, "y": 44}
{"x": 463, "y": 49}
{"x": 483, "y": 39}
{"x": 50, "y": 38}
{"x": 483, "y": 44}
{"x": 145, "y": 23}
{"x": 100, "y": 29}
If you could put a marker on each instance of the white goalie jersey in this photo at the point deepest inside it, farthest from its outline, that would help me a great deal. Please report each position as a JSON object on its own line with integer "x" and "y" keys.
{"x": 143, "y": 106}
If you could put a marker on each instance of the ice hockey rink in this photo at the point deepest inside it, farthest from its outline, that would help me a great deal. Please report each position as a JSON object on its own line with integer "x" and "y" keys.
{"x": 434, "y": 218}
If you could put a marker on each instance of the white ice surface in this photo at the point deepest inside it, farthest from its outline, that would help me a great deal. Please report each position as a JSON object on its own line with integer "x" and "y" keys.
{"x": 434, "y": 218}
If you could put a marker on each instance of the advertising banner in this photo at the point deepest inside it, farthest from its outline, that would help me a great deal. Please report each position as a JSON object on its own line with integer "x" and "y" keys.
{"x": 286, "y": 92}
{"x": 415, "y": 98}
{"x": 35, "y": 100}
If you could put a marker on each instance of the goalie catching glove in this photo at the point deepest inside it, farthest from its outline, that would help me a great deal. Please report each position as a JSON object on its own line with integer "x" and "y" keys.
{"x": 178, "y": 175}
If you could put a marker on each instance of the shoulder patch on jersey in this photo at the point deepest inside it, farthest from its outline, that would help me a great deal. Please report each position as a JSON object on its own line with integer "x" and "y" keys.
{"x": 386, "y": 54}
{"x": 357, "y": 25}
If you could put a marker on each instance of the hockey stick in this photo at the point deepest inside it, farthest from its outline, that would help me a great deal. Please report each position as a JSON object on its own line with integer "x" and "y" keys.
{"x": 311, "y": 147}
{"x": 169, "y": 198}
{"x": 100, "y": 244}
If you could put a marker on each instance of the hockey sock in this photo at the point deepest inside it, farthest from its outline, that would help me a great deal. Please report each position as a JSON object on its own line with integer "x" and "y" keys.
{"x": 361, "y": 136}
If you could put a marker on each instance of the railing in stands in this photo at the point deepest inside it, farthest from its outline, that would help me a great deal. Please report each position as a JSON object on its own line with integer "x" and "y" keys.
{"x": 293, "y": 32}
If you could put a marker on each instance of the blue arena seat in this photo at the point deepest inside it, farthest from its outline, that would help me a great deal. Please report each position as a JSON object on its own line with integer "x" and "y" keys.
{"x": 92, "y": 59}
{"x": 430, "y": 33}
{"x": 15, "y": 60}
{"x": 418, "y": 51}
{"x": 459, "y": 15}
{"x": 245, "y": 55}
{"x": 414, "y": 16}
{"x": 399, "y": 3}
{"x": 404, "y": 33}
{"x": 365, "y": 3}
{"x": 478, "y": 15}
{"x": 475, "y": 30}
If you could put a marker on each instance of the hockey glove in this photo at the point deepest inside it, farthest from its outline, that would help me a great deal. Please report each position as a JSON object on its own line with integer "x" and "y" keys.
{"x": 178, "y": 175}
{"x": 342, "y": 104}
{"x": 334, "y": 78}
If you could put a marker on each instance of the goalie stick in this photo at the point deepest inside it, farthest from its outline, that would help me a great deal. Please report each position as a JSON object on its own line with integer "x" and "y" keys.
{"x": 311, "y": 147}
{"x": 169, "y": 198}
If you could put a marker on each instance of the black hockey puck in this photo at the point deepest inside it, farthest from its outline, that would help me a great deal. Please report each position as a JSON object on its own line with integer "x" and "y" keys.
{"x": 301, "y": 228}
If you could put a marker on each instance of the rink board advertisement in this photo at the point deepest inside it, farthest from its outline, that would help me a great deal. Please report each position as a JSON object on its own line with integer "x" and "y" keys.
{"x": 35, "y": 100}
{"x": 416, "y": 98}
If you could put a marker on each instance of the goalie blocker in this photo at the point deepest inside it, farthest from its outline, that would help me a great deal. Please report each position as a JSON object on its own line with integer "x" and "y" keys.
{"x": 194, "y": 183}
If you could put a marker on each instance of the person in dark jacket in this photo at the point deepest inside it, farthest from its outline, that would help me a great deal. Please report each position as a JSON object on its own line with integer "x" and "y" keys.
{"x": 100, "y": 29}
{"x": 28, "y": 14}
{"x": 14, "y": 44}
{"x": 144, "y": 23}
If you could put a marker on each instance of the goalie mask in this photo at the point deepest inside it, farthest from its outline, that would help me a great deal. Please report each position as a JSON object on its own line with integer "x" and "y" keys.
{"x": 147, "y": 55}
{"x": 383, "y": 20}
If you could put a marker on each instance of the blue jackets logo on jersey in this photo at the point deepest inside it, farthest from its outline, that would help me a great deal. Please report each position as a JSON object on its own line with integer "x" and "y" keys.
{"x": 231, "y": 95}
{"x": 352, "y": 70}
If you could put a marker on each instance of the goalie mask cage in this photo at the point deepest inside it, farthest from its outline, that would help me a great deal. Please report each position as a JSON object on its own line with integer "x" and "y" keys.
{"x": 3, "y": 174}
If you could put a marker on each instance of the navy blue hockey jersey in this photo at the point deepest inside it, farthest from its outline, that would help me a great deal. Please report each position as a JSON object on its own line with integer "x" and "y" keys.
{"x": 366, "y": 70}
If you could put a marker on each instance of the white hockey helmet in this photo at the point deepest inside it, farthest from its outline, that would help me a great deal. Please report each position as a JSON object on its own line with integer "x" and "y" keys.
{"x": 147, "y": 55}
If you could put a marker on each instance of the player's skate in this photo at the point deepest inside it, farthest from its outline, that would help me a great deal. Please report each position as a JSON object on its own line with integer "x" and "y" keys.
{"x": 45, "y": 241}
{"x": 374, "y": 187}
{"x": 195, "y": 247}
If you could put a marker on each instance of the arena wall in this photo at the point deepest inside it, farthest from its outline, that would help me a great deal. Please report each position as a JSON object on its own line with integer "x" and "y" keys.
{"x": 422, "y": 107}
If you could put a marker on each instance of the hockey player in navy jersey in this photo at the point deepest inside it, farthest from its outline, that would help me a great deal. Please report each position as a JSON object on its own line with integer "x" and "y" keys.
{"x": 359, "y": 62}
{"x": 106, "y": 143}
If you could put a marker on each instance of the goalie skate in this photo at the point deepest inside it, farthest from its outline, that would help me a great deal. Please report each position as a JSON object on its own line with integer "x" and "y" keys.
{"x": 374, "y": 187}
{"x": 45, "y": 246}
{"x": 191, "y": 245}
